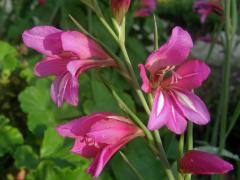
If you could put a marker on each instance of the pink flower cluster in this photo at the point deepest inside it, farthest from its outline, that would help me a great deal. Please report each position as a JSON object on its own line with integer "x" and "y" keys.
{"x": 67, "y": 55}
{"x": 172, "y": 79}
{"x": 99, "y": 136}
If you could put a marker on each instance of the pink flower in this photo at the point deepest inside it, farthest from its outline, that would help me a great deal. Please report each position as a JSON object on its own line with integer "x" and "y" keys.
{"x": 146, "y": 8}
{"x": 204, "y": 8}
{"x": 99, "y": 136}
{"x": 120, "y": 8}
{"x": 197, "y": 162}
{"x": 67, "y": 55}
{"x": 172, "y": 80}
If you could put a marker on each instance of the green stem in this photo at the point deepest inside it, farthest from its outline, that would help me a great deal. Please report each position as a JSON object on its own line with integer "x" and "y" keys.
{"x": 125, "y": 54}
{"x": 190, "y": 142}
{"x": 155, "y": 33}
{"x": 163, "y": 156}
{"x": 181, "y": 151}
{"x": 226, "y": 75}
{"x": 136, "y": 85}
{"x": 190, "y": 136}
{"x": 132, "y": 114}
{"x": 234, "y": 119}
{"x": 126, "y": 160}
{"x": 162, "y": 153}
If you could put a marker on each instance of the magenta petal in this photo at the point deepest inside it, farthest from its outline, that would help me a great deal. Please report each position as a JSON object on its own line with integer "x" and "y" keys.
{"x": 65, "y": 88}
{"x": 197, "y": 162}
{"x": 80, "y": 126}
{"x": 110, "y": 131}
{"x": 192, "y": 107}
{"x": 44, "y": 39}
{"x": 71, "y": 92}
{"x": 146, "y": 86}
{"x": 160, "y": 111}
{"x": 189, "y": 75}
{"x": 51, "y": 66}
{"x": 174, "y": 52}
{"x": 82, "y": 45}
{"x": 85, "y": 150}
{"x": 176, "y": 120}
{"x": 78, "y": 67}
{"x": 101, "y": 160}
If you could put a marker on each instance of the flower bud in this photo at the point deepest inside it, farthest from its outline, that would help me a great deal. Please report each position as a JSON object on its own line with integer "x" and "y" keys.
{"x": 119, "y": 9}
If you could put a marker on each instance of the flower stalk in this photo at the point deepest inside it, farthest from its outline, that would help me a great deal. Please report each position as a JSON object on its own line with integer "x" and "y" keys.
{"x": 230, "y": 29}
{"x": 126, "y": 160}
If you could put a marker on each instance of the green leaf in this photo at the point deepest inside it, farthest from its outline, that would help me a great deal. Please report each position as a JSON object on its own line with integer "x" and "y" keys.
{"x": 8, "y": 57}
{"x": 25, "y": 157}
{"x": 215, "y": 150}
{"x": 59, "y": 151}
{"x": 3, "y": 120}
{"x": 102, "y": 100}
{"x": 142, "y": 158}
{"x": 10, "y": 139}
{"x": 47, "y": 170}
{"x": 42, "y": 112}
{"x": 35, "y": 101}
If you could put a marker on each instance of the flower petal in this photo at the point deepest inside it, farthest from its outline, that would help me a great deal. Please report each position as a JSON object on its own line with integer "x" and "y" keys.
{"x": 110, "y": 131}
{"x": 174, "y": 52}
{"x": 78, "y": 67}
{"x": 65, "y": 88}
{"x": 51, "y": 66}
{"x": 82, "y": 45}
{"x": 83, "y": 149}
{"x": 192, "y": 107}
{"x": 146, "y": 86}
{"x": 197, "y": 162}
{"x": 189, "y": 75}
{"x": 176, "y": 120}
{"x": 81, "y": 126}
{"x": 71, "y": 92}
{"x": 101, "y": 160}
{"x": 160, "y": 111}
{"x": 44, "y": 39}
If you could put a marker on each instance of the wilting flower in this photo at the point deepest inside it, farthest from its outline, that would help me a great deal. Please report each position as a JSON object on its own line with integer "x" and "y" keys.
{"x": 120, "y": 8}
{"x": 204, "y": 8}
{"x": 67, "y": 55}
{"x": 210, "y": 39}
{"x": 172, "y": 80}
{"x": 197, "y": 162}
{"x": 99, "y": 136}
{"x": 41, "y": 2}
{"x": 146, "y": 8}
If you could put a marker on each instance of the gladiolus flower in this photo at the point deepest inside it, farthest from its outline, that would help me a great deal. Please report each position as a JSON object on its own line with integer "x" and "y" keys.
{"x": 146, "y": 8}
{"x": 172, "y": 80}
{"x": 120, "y": 8}
{"x": 197, "y": 162}
{"x": 204, "y": 8}
{"x": 99, "y": 136}
{"x": 67, "y": 55}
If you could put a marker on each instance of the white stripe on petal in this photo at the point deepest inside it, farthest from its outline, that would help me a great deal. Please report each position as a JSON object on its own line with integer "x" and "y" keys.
{"x": 160, "y": 103}
{"x": 185, "y": 101}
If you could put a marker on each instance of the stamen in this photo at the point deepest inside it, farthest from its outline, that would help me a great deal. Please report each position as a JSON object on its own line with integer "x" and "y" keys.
{"x": 89, "y": 141}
